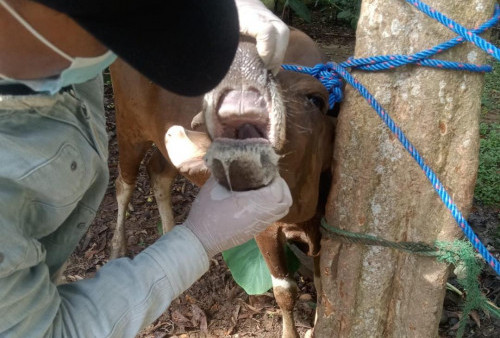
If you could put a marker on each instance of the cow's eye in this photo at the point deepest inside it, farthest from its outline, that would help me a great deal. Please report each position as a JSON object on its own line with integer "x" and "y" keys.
{"x": 317, "y": 101}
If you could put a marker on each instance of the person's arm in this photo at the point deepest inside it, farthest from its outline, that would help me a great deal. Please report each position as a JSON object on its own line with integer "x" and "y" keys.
{"x": 128, "y": 294}
{"x": 124, "y": 296}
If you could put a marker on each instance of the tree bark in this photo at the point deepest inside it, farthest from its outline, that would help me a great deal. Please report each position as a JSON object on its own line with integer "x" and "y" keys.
{"x": 379, "y": 189}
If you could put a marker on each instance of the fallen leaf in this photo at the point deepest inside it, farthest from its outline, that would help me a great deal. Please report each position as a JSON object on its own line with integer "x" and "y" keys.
{"x": 191, "y": 299}
{"x": 234, "y": 317}
{"x": 457, "y": 325}
{"x": 250, "y": 307}
{"x": 305, "y": 297}
{"x": 102, "y": 244}
{"x": 101, "y": 229}
{"x": 246, "y": 315}
{"x": 89, "y": 254}
{"x": 179, "y": 318}
{"x": 86, "y": 241}
{"x": 199, "y": 318}
{"x": 475, "y": 317}
{"x": 234, "y": 292}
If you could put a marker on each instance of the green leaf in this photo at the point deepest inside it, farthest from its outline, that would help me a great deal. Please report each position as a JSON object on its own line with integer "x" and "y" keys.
{"x": 248, "y": 268}
{"x": 300, "y": 9}
{"x": 269, "y": 4}
{"x": 346, "y": 15}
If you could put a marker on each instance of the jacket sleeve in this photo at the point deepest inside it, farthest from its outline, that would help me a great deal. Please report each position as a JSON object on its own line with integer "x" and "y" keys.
{"x": 124, "y": 296}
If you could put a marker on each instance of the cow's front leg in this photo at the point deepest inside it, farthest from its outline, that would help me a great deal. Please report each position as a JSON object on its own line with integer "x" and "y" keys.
{"x": 162, "y": 175}
{"x": 319, "y": 290}
{"x": 131, "y": 154}
{"x": 271, "y": 244}
{"x": 124, "y": 192}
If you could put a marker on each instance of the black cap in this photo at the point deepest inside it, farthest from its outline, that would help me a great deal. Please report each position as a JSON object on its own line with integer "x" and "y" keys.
{"x": 185, "y": 46}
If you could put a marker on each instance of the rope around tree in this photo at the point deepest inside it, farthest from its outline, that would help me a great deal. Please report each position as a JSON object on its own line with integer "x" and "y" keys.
{"x": 461, "y": 254}
{"x": 331, "y": 75}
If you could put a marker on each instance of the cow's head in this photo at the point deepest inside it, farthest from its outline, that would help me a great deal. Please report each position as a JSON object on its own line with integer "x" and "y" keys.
{"x": 245, "y": 117}
{"x": 261, "y": 125}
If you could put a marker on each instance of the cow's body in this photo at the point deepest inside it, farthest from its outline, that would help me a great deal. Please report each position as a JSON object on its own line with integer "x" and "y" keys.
{"x": 145, "y": 113}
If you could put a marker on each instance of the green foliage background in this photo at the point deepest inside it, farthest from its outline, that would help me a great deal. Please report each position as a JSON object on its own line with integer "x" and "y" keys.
{"x": 487, "y": 191}
{"x": 346, "y": 11}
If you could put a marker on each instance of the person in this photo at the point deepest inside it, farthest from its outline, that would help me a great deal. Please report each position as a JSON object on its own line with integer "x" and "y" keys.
{"x": 53, "y": 155}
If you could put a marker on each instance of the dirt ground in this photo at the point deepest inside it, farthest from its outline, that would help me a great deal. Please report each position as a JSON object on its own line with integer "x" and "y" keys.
{"x": 215, "y": 306}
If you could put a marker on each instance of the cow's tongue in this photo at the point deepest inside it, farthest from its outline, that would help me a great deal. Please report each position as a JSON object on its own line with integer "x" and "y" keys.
{"x": 247, "y": 131}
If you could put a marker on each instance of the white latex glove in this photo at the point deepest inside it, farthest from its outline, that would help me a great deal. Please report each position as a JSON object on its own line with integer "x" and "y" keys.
{"x": 222, "y": 219}
{"x": 270, "y": 32}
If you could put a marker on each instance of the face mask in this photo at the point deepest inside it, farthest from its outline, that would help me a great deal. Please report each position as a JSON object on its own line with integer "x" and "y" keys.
{"x": 81, "y": 69}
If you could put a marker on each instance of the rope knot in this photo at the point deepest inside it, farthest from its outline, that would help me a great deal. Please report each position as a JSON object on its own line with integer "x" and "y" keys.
{"x": 328, "y": 77}
{"x": 332, "y": 82}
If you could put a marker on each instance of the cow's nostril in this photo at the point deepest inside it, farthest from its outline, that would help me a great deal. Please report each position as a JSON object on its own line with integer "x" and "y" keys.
{"x": 248, "y": 131}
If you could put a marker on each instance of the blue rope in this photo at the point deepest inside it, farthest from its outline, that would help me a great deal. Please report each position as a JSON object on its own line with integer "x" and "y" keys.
{"x": 421, "y": 58}
{"x": 330, "y": 75}
{"x": 457, "y": 28}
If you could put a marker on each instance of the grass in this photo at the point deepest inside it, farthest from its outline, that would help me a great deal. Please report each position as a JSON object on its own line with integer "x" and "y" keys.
{"x": 490, "y": 99}
{"x": 487, "y": 190}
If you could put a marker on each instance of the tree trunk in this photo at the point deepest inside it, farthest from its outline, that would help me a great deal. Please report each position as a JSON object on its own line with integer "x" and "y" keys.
{"x": 379, "y": 189}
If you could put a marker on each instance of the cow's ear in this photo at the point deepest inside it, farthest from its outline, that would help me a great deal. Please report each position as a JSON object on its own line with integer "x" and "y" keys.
{"x": 198, "y": 121}
{"x": 186, "y": 150}
{"x": 195, "y": 170}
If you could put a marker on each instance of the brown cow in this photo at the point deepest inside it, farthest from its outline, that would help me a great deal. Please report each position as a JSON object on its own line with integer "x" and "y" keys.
{"x": 250, "y": 116}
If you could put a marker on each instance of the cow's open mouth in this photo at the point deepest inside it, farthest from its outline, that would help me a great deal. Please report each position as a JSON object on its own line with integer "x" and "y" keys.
{"x": 242, "y": 115}
{"x": 241, "y": 156}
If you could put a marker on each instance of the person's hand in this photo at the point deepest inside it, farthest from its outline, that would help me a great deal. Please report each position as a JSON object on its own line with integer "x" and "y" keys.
{"x": 270, "y": 32}
{"x": 222, "y": 219}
